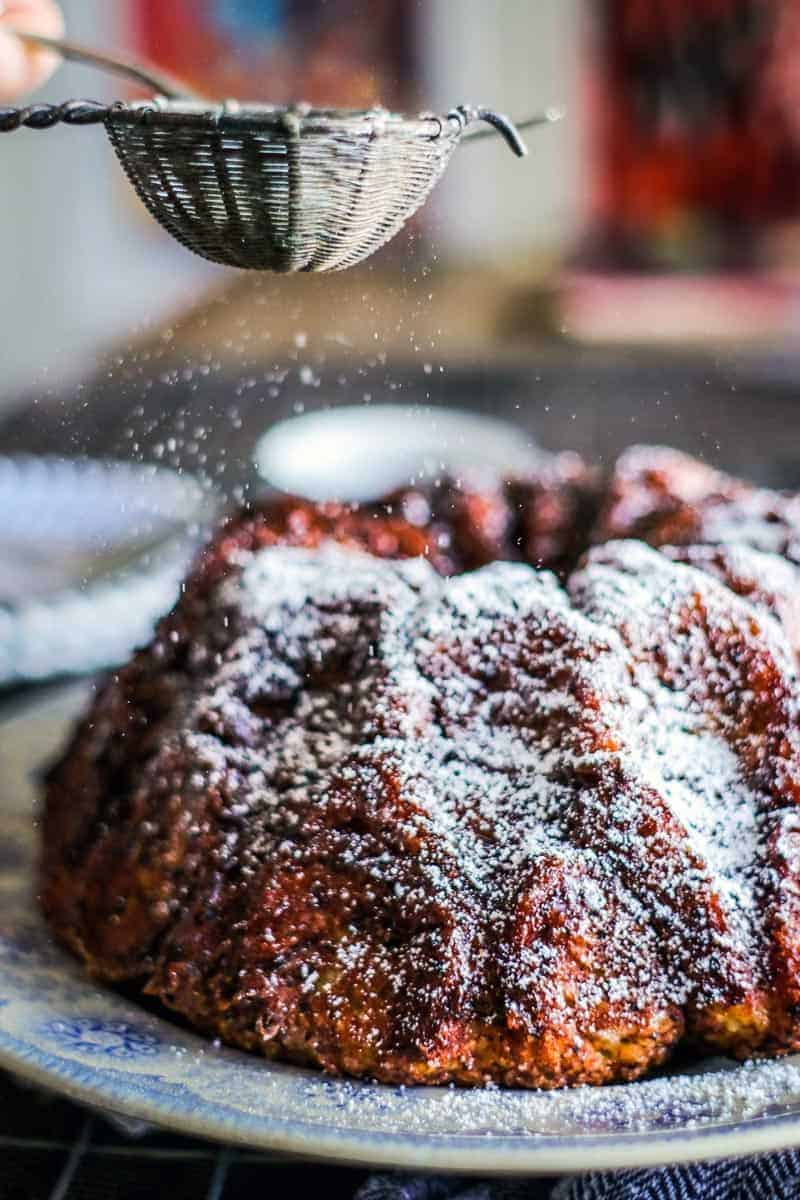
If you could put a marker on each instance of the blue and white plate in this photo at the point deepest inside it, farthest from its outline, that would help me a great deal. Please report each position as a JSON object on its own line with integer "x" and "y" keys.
{"x": 60, "y": 1030}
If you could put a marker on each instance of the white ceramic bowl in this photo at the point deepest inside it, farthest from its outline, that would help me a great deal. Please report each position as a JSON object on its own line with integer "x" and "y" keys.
{"x": 359, "y": 452}
{"x": 91, "y": 554}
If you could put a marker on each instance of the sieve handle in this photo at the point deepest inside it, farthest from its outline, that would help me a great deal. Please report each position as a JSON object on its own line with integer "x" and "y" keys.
{"x": 119, "y": 64}
{"x": 507, "y": 129}
{"x": 45, "y": 116}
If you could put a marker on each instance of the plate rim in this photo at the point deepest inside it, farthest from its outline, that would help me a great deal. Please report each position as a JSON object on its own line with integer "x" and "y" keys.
{"x": 480, "y": 1154}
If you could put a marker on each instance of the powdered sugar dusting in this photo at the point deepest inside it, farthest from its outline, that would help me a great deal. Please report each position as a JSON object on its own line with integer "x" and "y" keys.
{"x": 479, "y": 828}
{"x": 482, "y": 829}
{"x": 527, "y": 731}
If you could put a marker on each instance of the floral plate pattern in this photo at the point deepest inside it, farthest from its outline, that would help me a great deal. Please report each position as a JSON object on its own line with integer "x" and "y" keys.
{"x": 61, "y": 1030}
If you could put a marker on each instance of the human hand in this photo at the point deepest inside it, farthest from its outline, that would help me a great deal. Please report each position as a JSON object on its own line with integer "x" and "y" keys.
{"x": 22, "y": 67}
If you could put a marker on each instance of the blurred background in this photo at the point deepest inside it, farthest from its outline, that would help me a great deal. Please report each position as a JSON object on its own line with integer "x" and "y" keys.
{"x": 635, "y": 278}
{"x": 663, "y": 209}
{"x": 95, "y": 271}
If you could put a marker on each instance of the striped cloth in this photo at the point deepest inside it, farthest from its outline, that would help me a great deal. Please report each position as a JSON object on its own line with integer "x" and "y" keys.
{"x": 766, "y": 1177}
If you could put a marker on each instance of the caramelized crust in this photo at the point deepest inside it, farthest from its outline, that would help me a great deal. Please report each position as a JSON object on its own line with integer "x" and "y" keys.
{"x": 748, "y": 537}
{"x": 351, "y": 813}
{"x": 539, "y": 518}
{"x": 667, "y": 498}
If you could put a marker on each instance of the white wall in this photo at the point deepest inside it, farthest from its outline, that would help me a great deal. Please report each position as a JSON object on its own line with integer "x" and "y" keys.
{"x": 517, "y": 56}
{"x": 77, "y": 270}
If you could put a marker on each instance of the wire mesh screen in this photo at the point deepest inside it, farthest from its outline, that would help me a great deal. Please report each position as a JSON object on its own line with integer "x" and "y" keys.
{"x": 54, "y": 1150}
{"x": 281, "y": 190}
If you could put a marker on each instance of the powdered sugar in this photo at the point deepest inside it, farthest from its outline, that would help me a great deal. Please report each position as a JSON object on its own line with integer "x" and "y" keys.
{"x": 522, "y": 727}
{"x": 476, "y": 828}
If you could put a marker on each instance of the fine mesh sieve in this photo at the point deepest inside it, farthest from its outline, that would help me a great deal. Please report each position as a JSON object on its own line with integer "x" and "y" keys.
{"x": 264, "y": 187}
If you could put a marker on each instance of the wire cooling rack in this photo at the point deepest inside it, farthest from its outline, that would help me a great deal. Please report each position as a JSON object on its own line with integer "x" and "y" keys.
{"x": 51, "y": 1149}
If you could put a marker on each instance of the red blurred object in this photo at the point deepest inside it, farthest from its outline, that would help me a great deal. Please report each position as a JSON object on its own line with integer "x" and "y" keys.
{"x": 312, "y": 51}
{"x": 694, "y": 112}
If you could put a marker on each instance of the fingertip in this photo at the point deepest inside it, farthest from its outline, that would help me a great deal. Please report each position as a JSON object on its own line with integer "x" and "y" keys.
{"x": 36, "y": 16}
{"x": 15, "y": 68}
{"x": 24, "y": 68}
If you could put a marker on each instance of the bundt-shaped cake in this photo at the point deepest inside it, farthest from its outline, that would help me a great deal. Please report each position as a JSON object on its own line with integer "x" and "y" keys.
{"x": 374, "y": 802}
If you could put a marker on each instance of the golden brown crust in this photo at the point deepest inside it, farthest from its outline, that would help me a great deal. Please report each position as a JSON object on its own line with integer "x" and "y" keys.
{"x": 344, "y": 813}
{"x": 541, "y": 518}
{"x": 746, "y": 536}
{"x": 667, "y": 498}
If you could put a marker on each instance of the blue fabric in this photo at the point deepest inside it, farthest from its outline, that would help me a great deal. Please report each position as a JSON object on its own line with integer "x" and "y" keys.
{"x": 766, "y": 1177}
